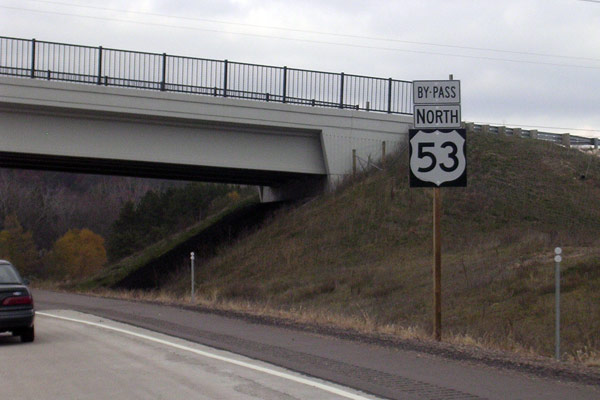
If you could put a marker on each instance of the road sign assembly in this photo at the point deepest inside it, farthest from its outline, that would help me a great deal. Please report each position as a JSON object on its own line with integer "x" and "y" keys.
{"x": 437, "y": 158}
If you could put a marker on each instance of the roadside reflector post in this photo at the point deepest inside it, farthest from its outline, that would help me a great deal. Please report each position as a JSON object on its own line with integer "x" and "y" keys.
{"x": 192, "y": 262}
{"x": 557, "y": 260}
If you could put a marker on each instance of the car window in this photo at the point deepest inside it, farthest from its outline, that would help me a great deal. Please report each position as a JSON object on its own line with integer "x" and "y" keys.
{"x": 8, "y": 274}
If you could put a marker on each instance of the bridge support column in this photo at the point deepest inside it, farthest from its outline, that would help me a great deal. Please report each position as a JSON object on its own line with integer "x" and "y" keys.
{"x": 294, "y": 191}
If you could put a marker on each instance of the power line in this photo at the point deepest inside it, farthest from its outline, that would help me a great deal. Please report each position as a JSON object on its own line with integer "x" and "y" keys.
{"x": 527, "y": 53}
{"x": 307, "y": 40}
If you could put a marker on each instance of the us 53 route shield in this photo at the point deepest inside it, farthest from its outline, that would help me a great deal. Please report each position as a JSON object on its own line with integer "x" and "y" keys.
{"x": 438, "y": 157}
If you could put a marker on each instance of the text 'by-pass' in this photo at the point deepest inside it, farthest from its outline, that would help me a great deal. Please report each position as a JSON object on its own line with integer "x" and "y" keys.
{"x": 436, "y": 92}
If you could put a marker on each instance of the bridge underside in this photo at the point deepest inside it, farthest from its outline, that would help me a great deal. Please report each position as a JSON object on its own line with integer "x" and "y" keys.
{"x": 145, "y": 169}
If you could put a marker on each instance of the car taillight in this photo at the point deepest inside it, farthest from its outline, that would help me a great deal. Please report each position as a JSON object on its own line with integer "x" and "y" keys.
{"x": 18, "y": 301}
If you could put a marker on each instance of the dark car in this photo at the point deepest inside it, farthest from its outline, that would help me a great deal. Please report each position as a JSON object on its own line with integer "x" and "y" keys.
{"x": 16, "y": 304}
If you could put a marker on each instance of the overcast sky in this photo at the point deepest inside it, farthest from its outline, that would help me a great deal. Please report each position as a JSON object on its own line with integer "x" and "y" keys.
{"x": 529, "y": 63}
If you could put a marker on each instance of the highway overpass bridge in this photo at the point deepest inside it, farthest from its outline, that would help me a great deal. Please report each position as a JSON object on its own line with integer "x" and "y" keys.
{"x": 272, "y": 133}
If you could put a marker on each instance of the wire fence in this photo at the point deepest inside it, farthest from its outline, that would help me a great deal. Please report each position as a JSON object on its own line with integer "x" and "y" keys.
{"x": 113, "y": 67}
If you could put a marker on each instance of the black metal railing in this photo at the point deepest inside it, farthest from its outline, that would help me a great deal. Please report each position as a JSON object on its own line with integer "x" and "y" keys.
{"x": 114, "y": 67}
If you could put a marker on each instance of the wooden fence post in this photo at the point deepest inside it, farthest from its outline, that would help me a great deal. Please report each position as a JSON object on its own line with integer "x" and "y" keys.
{"x": 437, "y": 265}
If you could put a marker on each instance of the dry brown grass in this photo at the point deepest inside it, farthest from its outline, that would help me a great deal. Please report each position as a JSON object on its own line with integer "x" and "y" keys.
{"x": 588, "y": 357}
{"x": 359, "y": 324}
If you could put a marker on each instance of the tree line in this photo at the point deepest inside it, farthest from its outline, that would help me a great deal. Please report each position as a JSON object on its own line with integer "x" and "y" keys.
{"x": 160, "y": 214}
{"x": 66, "y": 226}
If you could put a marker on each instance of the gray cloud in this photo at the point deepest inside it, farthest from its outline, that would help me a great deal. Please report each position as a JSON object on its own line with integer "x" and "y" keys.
{"x": 520, "y": 89}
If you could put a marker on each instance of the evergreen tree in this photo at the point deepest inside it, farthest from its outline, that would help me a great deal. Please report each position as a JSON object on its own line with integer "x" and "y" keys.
{"x": 124, "y": 236}
{"x": 159, "y": 214}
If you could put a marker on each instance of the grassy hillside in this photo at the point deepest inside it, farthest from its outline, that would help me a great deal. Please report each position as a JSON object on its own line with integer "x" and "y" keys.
{"x": 363, "y": 253}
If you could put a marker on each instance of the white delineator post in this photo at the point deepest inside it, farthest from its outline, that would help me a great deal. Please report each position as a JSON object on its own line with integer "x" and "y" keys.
{"x": 557, "y": 260}
{"x": 192, "y": 262}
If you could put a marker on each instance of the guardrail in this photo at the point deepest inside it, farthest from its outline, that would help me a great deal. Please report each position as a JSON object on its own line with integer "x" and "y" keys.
{"x": 565, "y": 139}
{"x": 153, "y": 71}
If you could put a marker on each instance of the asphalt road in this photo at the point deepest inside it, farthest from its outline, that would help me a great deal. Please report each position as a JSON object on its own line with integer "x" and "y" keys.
{"x": 80, "y": 356}
{"x": 379, "y": 370}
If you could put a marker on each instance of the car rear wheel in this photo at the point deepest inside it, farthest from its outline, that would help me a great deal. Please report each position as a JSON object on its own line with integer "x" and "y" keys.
{"x": 28, "y": 336}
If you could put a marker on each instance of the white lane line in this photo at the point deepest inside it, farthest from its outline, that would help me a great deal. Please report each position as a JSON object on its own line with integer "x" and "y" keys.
{"x": 294, "y": 378}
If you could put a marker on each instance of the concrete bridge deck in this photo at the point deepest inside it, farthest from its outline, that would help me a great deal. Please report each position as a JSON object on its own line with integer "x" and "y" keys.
{"x": 288, "y": 150}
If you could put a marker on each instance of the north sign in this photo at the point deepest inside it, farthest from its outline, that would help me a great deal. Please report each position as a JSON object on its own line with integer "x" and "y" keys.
{"x": 438, "y": 157}
{"x": 437, "y": 116}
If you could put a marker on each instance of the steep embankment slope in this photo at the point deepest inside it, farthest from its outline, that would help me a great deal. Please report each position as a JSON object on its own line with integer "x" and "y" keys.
{"x": 363, "y": 253}
{"x": 150, "y": 267}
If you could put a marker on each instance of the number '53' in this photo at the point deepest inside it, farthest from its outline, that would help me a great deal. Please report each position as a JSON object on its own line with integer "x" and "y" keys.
{"x": 448, "y": 165}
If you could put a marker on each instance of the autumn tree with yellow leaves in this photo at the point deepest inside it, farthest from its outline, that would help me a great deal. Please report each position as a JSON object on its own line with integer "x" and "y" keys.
{"x": 78, "y": 253}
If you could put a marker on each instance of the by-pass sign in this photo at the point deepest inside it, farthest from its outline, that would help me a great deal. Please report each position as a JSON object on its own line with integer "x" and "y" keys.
{"x": 436, "y": 92}
{"x": 436, "y": 104}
